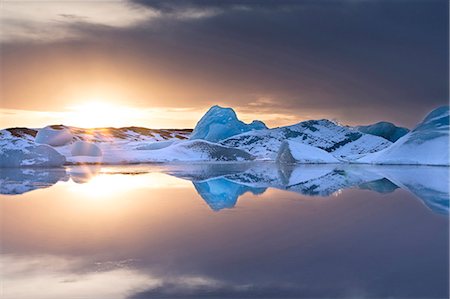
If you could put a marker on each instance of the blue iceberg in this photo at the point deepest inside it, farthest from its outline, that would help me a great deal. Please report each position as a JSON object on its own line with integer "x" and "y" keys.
{"x": 220, "y": 123}
{"x": 384, "y": 129}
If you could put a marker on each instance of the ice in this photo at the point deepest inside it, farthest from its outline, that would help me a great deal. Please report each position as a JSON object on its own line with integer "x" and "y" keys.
{"x": 156, "y": 145}
{"x": 341, "y": 141}
{"x": 184, "y": 151}
{"x": 54, "y": 137}
{"x": 427, "y": 144}
{"x": 295, "y": 152}
{"x": 16, "y": 152}
{"x": 196, "y": 150}
{"x": 83, "y": 148}
{"x": 220, "y": 123}
{"x": 384, "y": 129}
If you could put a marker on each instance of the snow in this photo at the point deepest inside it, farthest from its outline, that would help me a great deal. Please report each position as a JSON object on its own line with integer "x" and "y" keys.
{"x": 427, "y": 144}
{"x": 295, "y": 152}
{"x": 342, "y": 142}
{"x": 384, "y": 129}
{"x": 83, "y": 148}
{"x": 28, "y": 154}
{"x": 313, "y": 141}
{"x": 220, "y": 123}
{"x": 54, "y": 137}
{"x": 185, "y": 151}
{"x": 156, "y": 145}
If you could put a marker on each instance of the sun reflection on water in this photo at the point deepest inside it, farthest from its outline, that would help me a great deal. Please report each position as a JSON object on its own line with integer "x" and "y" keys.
{"x": 98, "y": 185}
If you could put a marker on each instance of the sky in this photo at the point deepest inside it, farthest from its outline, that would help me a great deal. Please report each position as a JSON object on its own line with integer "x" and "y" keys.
{"x": 162, "y": 64}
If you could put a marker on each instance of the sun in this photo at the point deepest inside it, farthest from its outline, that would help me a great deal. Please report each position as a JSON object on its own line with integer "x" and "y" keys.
{"x": 94, "y": 114}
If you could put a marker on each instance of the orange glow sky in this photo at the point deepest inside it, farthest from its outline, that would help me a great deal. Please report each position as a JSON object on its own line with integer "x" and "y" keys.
{"x": 160, "y": 65}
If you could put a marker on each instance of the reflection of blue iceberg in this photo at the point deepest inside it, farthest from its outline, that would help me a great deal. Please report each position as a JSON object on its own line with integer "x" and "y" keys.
{"x": 221, "y": 193}
{"x": 21, "y": 180}
{"x": 381, "y": 186}
{"x": 429, "y": 183}
{"x": 221, "y": 186}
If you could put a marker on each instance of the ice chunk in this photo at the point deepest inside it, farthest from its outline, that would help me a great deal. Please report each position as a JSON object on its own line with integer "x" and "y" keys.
{"x": 427, "y": 144}
{"x": 83, "y": 148}
{"x": 54, "y": 137}
{"x": 294, "y": 152}
{"x": 30, "y": 155}
{"x": 384, "y": 129}
{"x": 196, "y": 150}
{"x": 220, "y": 123}
{"x": 341, "y": 141}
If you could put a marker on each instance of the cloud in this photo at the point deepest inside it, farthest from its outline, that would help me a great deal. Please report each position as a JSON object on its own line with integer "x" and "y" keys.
{"x": 48, "y": 21}
{"x": 39, "y": 21}
{"x": 358, "y": 61}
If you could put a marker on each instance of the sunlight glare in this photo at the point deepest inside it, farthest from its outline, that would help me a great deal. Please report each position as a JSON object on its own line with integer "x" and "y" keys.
{"x": 105, "y": 186}
{"x": 94, "y": 114}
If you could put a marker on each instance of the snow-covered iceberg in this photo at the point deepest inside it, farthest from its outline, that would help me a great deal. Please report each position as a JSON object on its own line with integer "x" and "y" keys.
{"x": 198, "y": 150}
{"x": 427, "y": 144}
{"x": 384, "y": 129}
{"x": 343, "y": 142}
{"x": 54, "y": 136}
{"x": 17, "y": 152}
{"x": 186, "y": 151}
{"x": 220, "y": 123}
{"x": 295, "y": 152}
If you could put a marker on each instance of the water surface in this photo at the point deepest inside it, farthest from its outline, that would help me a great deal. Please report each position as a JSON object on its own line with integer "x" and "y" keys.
{"x": 251, "y": 230}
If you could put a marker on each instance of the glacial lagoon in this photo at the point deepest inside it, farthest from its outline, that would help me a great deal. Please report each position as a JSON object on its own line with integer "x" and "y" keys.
{"x": 232, "y": 230}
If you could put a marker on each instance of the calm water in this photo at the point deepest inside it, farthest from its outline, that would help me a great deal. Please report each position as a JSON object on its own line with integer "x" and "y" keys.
{"x": 225, "y": 231}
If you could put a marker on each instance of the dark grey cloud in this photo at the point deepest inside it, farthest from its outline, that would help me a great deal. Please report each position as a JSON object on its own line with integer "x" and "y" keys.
{"x": 358, "y": 61}
{"x": 174, "y": 290}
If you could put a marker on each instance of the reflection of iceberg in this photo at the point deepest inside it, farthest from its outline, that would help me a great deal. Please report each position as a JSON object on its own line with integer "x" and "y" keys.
{"x": 381, "y": 186}
{"x": 21, "y": 180}
{"x": 84, "y": 173}
{"x": 221, "y": 185}
{"x": 221, "y": 193}
{"x": 429, "y": 183}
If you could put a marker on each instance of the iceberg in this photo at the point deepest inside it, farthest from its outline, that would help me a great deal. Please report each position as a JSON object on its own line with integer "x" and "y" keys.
{"x": 185, "y": 151}
{"x": 220, "y": 123}
{"x": 384, "y": 129}
{"x": 18, "y": 152}
{"x": 54, "y": 137}
{"x": 196, "y": 150}
{"x": 427, "y": 144}
{"x": 295, "y": 152}
{"x": 33, "y": 155}
{"x": 83, "y": 148}
{"x": 342, "y": 142}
